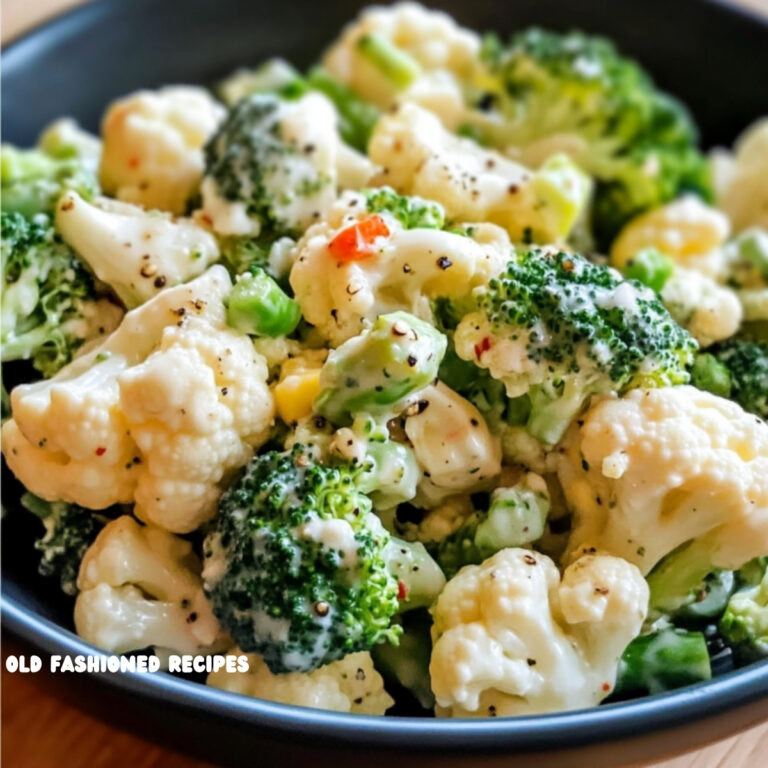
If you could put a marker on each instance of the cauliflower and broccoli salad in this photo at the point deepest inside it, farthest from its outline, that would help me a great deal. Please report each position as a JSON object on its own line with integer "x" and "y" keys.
{"x": 436, "y": 372}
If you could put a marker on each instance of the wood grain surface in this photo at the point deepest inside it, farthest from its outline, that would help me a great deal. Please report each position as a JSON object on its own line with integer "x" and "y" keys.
{"x": 41, "y": 731}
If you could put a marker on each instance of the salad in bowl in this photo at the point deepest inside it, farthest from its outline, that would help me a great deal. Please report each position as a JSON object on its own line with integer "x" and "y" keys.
{"x": 438, "y": 371}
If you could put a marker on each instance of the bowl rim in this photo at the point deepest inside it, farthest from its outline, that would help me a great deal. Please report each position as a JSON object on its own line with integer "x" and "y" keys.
{"x": 529, "y": 732}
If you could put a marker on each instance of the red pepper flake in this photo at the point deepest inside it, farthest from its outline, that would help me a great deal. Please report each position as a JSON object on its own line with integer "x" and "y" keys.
{"x": 101, "y": 450}
{"x": 483, "y": 346}
{"x": 134, "y": 162}
{"x": 402, "y": 591}
{"x": 606, "y": 687}
{"x": 357, "y": 243}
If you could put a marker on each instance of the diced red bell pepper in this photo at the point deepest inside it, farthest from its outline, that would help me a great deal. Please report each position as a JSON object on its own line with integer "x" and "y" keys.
{"x": 357, "y": 242}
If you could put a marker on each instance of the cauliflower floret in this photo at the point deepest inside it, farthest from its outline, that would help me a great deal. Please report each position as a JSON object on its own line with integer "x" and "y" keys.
{"x": 688, "y": 230}
{"x": 350, "y": 684}
{"x": 708, "y": 311}
{"x": 444, "y": 55}
{"x": 140, "y": 586}
{"x": 152, "y": 151}
{"x": 661, "y": 467}
{"x": 741, "y": 178}
{"x": 409, "y": 267}
{"x": 511, "y": 638}
{"x": 420, "y": 157}
{"x": 452, "y": 443}
{"x": 158, "y": 414}
{"x": 137, "y": 253}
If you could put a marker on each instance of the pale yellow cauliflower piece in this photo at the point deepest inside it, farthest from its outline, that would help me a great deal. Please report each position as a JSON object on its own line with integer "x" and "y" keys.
{"x": 445, "y": 54}
{"x": 687, "y": 229}
{"x": 152, "y": 145}
{"x": 741, "y": 178}
{"x": 511, "y": 638}
{"x": 709, "y": 311}
{"x": 658, "y": 468}
{"x": 409, "y": 267}
{"x": 350, "y": 684}
{"x": 420, "y": 157}
{"x": 136, "y": 252}
{"x": 140, "y": 586}
{"x": 454, "y": 447}
{"x": 158, "y": 414}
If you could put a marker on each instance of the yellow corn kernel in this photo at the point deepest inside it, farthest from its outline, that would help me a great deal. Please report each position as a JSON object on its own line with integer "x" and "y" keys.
{"x": 295, "y": 394}
{"x": 683, "y": 229}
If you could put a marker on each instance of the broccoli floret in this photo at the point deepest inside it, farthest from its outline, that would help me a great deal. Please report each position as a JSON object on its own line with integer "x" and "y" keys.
{"x": 744, "y": 625}
{"x": 356, "y": 118}
{"x": 412, "y": 212}
{"x": 33, "y": 181}
{"x": 300, "y": 570}
{"x": 69, "y": 531}
{"x": 252, "y": 163}
{"x": 709, "y": 374}
{"x": 378, "y": 370}
{"x": 49, "y": 306}
{"x": 578, "y": 330}
{"x": 747, "y": 259}
{"x": 744, "y": 365}
{"x": 638, "y": 142}
{"x": 515, "y": 517}
{"x": 662, "y": 661}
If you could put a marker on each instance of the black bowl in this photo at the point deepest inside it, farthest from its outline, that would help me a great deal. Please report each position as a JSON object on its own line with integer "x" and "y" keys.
{"x": 713, "y": 56}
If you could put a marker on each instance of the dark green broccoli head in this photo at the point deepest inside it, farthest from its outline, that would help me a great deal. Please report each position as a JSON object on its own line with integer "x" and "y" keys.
{"x": 296, "y": 564}
{"x": 69, "y": 531}
{"x": 46, "y": 294}
{"x": 583, "y": 330}
{"x": 251, "y": 162}
{"x": 746, "y": 364}
{"x": 33, "y": 181}
{"x": 411, "y": 212}
{"x": 638, "y": 142}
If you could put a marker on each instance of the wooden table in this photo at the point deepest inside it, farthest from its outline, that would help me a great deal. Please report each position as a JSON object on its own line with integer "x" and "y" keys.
{"x": 40, "y": 731}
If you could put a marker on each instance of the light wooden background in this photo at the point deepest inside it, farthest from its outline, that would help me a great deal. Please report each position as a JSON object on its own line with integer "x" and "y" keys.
{"x": 38, "y": 730}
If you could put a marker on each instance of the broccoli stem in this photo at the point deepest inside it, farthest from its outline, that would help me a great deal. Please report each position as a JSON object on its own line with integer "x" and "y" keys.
{"x": 357, "y": 118}
{"x": 19, "y": 165}
{"x": 259, "y": 307}
{"x": 677, "y": 581}
{"x": 418, "y": 574}
{"x": 550, "y": 416}
{"x": 709, "y": 374}
{"x": 651, "y": 267}
{"x": 396, "y": 65}
{"x": 662, "y": 661}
